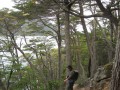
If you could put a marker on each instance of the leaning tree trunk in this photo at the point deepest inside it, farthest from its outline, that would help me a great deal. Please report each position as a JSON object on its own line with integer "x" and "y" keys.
{"x": 93, "y": 64}
{"x": 115, "y": 82}
{"x": 77, "y": 53}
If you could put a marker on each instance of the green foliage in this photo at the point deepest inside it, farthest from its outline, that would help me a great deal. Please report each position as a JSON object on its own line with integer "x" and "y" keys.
{"x": 53, "y": 84}
{"x": 84, "y": 51}
{"x": 32, "y": 9}
{"x": 42, "y": 86}
{"x": 33, "y": 17}
{"x": 101, "y": 50}
{"x": 102, "y": 47}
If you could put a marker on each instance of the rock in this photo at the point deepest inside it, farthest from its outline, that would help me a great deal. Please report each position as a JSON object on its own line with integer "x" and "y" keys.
{"x": 103, "y": 72}
{"x": 101, "y": 79}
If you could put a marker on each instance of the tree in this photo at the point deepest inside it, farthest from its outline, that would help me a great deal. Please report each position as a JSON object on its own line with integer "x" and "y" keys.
{"x": 67, "y": 33}
{"x": 103, "y": 22}
{"x": 115, "y": 81}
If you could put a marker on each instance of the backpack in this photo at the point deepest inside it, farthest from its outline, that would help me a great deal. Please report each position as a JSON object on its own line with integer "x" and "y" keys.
{"x": 75, "y": 75}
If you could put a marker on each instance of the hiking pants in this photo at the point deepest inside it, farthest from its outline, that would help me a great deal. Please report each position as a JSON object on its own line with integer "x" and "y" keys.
{"x": 69, "y": 85}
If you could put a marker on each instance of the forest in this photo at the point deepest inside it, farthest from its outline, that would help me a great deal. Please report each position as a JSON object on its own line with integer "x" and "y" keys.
{"x": 40, "y": 38}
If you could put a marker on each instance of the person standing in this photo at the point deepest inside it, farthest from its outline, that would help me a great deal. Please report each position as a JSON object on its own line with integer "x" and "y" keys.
{"x": 69, "y": 81}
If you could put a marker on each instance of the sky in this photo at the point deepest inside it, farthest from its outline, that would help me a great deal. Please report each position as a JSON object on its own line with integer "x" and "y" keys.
{"x": 6, "y": 4}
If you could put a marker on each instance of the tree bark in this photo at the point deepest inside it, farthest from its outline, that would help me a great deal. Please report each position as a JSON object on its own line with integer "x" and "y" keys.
{"x": 90, "y": 47}
{"x": 59, "y": 47}
{"x": 115, "y": 81}
{"x": 67, "y": 34}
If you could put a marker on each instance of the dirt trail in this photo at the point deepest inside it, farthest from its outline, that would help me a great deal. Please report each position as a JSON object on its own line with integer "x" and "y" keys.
{"x": 103, "y": 85}
{"x": 76, "y": 87}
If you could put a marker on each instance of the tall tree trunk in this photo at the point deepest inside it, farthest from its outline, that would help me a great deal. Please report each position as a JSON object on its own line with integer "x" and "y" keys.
{"x": 59, "y": 46}
{"x": 67, "y": 37}
{"x": 93, "y": 47}
{"x": 67, "y": 34}
{"x": 115, "y": 82}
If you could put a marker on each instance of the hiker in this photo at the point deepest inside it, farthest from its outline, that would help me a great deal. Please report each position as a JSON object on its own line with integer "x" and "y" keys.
{"x": 71, "y": 78}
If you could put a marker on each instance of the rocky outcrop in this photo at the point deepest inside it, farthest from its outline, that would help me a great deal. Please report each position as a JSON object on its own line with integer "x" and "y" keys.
{"x": 103, "y": 72}
{"x": 100, "y": 81}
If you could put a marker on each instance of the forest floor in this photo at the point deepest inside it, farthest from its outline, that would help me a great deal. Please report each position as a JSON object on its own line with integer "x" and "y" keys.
{"x": 76, "y": 87}
{"x": 98, "y": 86}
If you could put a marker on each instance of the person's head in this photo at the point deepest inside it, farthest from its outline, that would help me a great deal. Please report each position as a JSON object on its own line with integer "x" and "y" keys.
{"x": 69, "y": 67}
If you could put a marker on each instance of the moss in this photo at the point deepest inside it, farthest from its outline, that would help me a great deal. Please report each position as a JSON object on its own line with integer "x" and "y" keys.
{"x": 108, "y": 69}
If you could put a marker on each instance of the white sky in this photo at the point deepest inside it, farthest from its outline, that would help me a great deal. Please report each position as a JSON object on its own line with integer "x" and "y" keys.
{"x": 6, "y": 4}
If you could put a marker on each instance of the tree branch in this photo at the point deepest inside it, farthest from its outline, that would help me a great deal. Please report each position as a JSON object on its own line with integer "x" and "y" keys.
{"x": 107, "y": 12}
